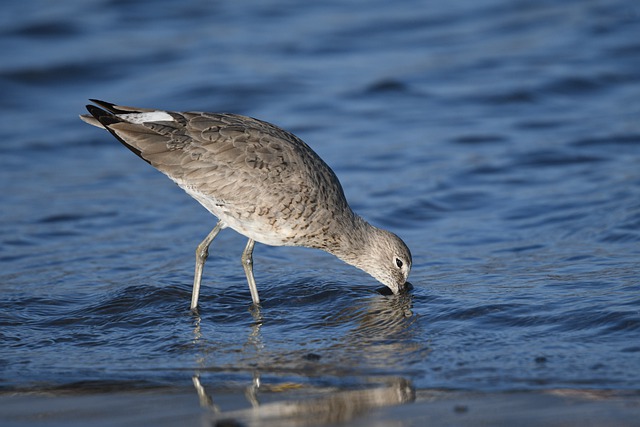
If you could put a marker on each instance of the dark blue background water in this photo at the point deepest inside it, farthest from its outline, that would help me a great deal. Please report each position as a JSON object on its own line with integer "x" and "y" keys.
{"x": 500, "y": 139}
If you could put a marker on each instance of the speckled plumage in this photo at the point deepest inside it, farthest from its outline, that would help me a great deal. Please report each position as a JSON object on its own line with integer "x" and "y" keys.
{"x": 259, "y": 180}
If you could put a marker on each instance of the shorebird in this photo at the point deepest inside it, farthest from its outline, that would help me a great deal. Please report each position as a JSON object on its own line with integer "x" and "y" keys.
{"x": 259, "y": 180}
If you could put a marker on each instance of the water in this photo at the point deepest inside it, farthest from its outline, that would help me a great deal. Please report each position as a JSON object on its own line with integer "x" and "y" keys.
{"x": 500, "y": 139}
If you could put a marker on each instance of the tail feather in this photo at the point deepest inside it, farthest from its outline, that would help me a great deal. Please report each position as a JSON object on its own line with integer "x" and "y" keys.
{"x": 120, "y": 109}
{"x": 91, "y": 120}
{"x": 105, "y": 118}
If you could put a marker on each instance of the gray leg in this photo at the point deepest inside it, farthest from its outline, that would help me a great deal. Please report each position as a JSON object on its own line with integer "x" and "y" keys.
{"x": 247, "y": 263}
{"x": 202, "y": 252}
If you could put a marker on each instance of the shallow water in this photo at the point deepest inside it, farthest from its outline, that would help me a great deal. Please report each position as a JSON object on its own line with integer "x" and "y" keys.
{"x": 500, "y": 139}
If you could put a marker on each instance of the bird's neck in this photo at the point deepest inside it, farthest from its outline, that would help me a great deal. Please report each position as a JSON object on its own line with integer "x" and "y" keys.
{"x": 352, "y": 247}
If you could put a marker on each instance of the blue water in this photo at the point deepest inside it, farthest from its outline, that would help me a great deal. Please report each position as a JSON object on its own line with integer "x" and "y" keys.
{"x": 500, "y": 139}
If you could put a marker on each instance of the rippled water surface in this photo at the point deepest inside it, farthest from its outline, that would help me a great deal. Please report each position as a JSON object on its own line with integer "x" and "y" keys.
{"x": 500, "y": 139}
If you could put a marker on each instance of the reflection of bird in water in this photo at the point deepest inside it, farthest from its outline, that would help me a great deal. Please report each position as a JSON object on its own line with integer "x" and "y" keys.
{"x": 374, "y": 334}
{"x": 390, "y": 314}
{"x": 377, "y": 329}
{"x": 333, "y": 408}
{"x": 380, "y": 335}
{"x": 259, "y": 180}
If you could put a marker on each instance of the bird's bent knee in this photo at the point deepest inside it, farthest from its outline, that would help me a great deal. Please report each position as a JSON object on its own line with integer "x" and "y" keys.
{"x": 202, "y": 254}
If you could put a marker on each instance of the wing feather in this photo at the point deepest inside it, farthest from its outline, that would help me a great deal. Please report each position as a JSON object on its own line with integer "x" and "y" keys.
{"x": 235, "y": 166}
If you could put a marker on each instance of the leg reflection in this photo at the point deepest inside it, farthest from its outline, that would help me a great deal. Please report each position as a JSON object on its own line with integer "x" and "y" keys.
{"x": 205, "y": 400}
{"x": 253, "y": 344}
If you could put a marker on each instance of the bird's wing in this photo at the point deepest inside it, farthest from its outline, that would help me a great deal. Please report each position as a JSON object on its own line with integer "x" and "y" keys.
{"x": 215, "y": 152}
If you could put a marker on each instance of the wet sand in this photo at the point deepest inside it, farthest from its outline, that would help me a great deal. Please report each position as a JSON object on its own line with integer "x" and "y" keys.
{"x": 285, "y": 408}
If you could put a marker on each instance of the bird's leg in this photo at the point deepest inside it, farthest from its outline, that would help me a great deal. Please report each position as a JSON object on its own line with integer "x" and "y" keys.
{"x": 247, "y": 264}
{"x": 202, "y": 252}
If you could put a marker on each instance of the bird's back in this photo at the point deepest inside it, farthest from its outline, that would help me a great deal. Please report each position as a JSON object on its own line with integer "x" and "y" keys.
{"x": 259, "y": 179}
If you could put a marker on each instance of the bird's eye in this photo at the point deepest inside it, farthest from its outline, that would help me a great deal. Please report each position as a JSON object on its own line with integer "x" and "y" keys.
{"x": 399, "y": 262}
